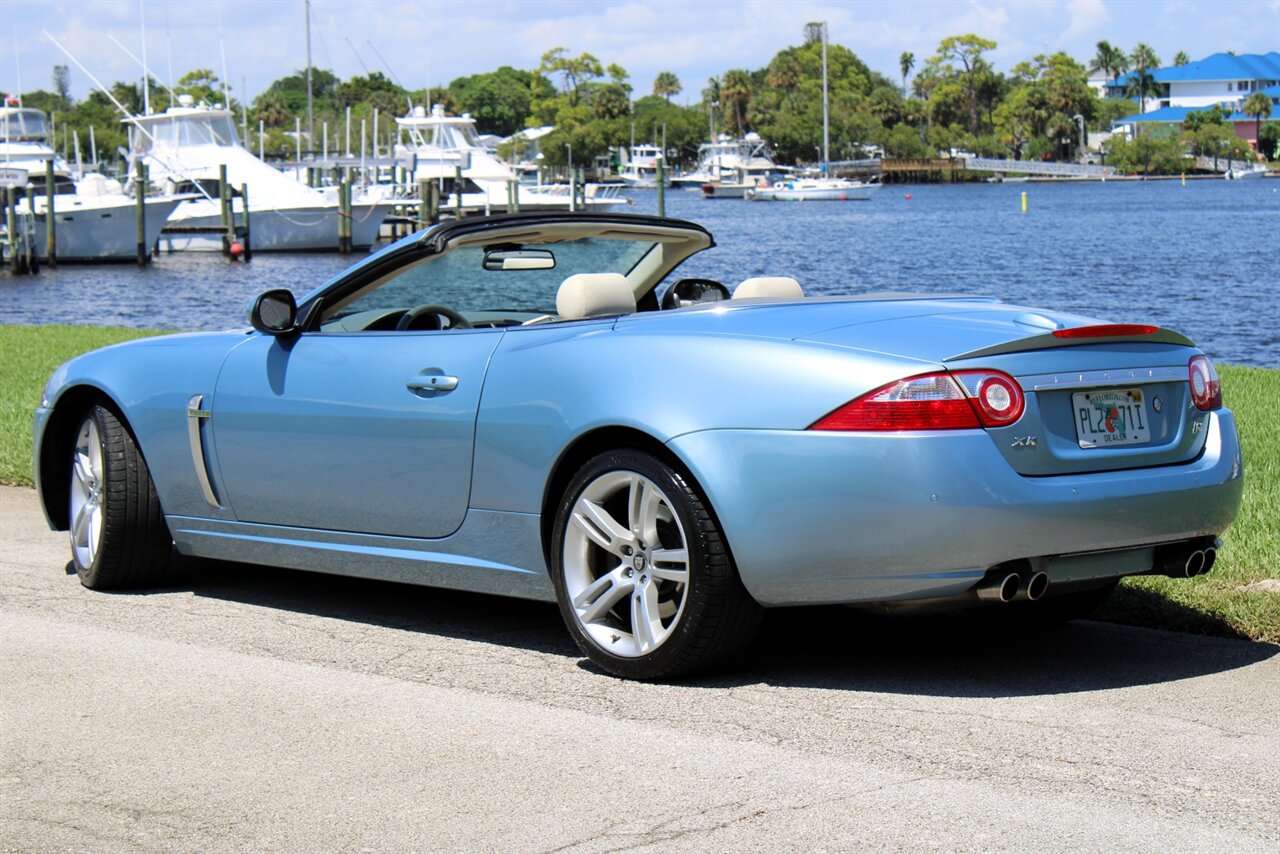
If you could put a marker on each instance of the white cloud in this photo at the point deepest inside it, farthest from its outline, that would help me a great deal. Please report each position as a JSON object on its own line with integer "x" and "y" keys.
{"x": 1085, "y": 18}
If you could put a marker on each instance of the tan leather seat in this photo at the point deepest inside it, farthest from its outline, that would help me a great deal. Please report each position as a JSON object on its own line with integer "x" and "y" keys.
{"x": 769, "y": 287}
{"x": 594, "y": 295}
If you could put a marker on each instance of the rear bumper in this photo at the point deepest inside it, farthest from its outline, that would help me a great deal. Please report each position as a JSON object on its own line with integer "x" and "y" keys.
{"x": 816, "y": 517}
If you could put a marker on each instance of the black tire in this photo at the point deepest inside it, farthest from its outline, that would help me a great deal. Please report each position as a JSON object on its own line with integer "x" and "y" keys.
{"x": 714, "y": 616}
{"x": 129, "y": 544}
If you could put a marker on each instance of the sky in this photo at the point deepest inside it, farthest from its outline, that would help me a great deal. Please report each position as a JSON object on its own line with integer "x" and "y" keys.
{"x": 430, "y": 42}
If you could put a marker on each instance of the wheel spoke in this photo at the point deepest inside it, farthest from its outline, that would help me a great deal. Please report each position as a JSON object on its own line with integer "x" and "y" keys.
{"x": 83, "y": 471}
{"x": 602, "y": 528}
{"x": 646, "y": 623}
{"x": 670, "y": 565}
{"x": 605, "y": 596}
{"x": 95, "y": 531}
{"x": 79, "y": 526}
{"x": 643, "y": 510}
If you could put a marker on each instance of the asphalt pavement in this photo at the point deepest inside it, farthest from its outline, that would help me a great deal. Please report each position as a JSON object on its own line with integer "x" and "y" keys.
{"x": 248, "y": 708}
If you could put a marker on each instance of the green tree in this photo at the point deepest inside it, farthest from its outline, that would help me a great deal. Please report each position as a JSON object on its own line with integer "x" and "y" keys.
{"x": 1180, "y": 59}
{"x": 735, "y": 92}
{"x": 666, "y": 84}
{"x": 1269, "y": 140}
{"x": 575, "y": 73}
{"x": 500, "y": 101}
{"x": 906, "y": 62}
{"x": 967, "y": 50}
{"x": 62, "y": 82}
{"x": 1142, "y": 60}
{"x": 1110, "y": 60}
{"x": 201, "y": 84}
{"x": 1257, "y": 105}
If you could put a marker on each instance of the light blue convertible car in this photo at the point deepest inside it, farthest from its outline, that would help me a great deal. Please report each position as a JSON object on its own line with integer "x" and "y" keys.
{"x": 535, "y": 405}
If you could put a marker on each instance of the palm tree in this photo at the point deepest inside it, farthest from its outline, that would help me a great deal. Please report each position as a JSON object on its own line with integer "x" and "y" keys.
{"x": 666, "y": 84}
{"x": 1110, "y": 60}
{"x": 1257, "y": 105}
{"x": 1143, "y": 60}
{"x": 1180, "y": 58}
{"x": 736, "y": 89}
{"x": 906, "y": 62}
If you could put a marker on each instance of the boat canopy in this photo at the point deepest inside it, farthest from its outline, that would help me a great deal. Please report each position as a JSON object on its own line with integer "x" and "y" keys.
{"x": 19, "y": 124}
{"x": 179, "y": 127}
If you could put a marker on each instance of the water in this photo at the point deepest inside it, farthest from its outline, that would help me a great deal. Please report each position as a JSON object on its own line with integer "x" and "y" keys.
{"x": 1200, "y": 259}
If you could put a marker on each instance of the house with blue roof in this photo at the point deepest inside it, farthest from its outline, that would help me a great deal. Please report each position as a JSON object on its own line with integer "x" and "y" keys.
{"x": 1222, "y": 79}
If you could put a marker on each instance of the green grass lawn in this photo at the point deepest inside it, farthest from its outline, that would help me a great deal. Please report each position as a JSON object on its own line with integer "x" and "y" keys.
{"x": 1216, "y": 603}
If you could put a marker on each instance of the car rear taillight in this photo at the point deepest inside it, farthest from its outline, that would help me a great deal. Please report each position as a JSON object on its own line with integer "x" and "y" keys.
{"x": 940, "y": 401}
{"x": 1106, "y": 330}
{"x": 1206, "y": 390}
{"x": 999, "y": 398}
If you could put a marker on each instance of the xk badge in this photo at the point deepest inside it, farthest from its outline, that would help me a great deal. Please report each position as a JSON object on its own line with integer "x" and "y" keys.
{"x": 1024, "y": 441}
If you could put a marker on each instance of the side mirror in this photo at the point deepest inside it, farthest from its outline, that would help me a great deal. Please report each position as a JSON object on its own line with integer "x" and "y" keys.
{"x": 274, "y": 312}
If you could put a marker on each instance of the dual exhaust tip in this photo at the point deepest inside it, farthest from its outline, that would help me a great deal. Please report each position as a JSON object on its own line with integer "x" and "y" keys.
{"x": 1186, "y": 560}
{"x": 1007, "y": 585}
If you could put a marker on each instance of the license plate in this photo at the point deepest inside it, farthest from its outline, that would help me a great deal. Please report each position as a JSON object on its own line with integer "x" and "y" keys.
{"x": 1105, "y": 419}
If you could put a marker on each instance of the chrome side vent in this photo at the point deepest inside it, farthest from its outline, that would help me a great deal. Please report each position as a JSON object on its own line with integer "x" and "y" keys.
{"x": 196, "y": 416}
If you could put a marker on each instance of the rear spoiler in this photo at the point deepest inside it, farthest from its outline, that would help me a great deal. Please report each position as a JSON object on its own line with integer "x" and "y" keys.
{"x": 1074, "y": 336}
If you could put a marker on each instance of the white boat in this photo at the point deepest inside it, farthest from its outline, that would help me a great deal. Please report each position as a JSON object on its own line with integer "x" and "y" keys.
{"x": 94, "y": 219}
{"x": 815, "y": 190}
{"x": 185, "y": 146}
{"x": 727, "y": 189}
{"x": 436, "y": 145}
{"x": 641, "y": 169}
{"x": 730, "y": 160}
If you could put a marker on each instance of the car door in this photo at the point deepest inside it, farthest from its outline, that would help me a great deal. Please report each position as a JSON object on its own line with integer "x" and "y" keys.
{"x": 362, "y": 432}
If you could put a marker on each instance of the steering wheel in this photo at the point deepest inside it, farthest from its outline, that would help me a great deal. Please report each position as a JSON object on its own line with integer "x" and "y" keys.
{"x": 428, "y": 317}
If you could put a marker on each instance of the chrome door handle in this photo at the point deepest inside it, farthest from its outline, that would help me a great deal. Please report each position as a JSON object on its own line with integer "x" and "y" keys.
{"x": 431, "y": 382}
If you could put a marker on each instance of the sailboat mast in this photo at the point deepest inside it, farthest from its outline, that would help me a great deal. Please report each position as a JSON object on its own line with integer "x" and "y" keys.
{"x": 311, "y": 119}
{"x": 826, "y": 122}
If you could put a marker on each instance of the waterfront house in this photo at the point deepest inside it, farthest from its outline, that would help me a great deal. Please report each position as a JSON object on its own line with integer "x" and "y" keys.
{"x": 1223, "y": 79}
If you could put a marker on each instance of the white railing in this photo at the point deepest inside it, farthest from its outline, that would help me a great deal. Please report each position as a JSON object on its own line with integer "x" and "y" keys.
{"x": 1039, "y": 167}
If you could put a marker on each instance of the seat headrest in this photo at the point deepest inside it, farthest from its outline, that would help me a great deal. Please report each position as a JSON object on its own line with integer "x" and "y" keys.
{"x": 769, "y": 287}
{"x": 594, "y": 295}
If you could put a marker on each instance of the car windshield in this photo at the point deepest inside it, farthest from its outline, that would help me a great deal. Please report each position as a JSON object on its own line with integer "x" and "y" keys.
{"x": 458, "y": 279}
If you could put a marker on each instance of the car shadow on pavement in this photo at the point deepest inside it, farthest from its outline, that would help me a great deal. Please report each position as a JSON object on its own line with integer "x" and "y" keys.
{"x": 969, "y": 655}
{"x": 834, "y": 648}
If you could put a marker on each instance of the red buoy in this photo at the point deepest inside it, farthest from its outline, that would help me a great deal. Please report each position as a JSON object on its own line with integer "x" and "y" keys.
{"x": 236, "y": 249}
{"x": 907, "y": 196}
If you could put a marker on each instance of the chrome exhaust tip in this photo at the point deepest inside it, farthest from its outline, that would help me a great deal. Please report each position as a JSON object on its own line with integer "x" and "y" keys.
{"x": 999, "y": 588}
{"x": 1210, "y": 558}
{"x": 1194, "y": 565}
{"x": 1036, "y": 586}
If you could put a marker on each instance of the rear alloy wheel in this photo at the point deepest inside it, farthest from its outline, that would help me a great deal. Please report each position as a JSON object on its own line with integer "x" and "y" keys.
{"x": 118, "y": 534}
{"x": 644, "y": 579}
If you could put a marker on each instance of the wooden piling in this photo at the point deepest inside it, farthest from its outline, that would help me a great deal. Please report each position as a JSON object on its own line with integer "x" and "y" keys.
{"x": 227, "y": 221}
{"x": 424, "y": 203}
{"x": 140, "y": 191}
{"x": 11, "y": 224}
{"x": 247, "y": 241}
{"x": 344, "y": 214}
{"x": 662, "y": 185}
{"x": 50, "y": 239}
{"x": 573, "y": 189}
{"x": 457, "y": 189}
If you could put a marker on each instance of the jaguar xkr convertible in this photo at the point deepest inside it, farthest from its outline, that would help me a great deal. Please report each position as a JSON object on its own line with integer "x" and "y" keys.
{"x": 538, "y": 406}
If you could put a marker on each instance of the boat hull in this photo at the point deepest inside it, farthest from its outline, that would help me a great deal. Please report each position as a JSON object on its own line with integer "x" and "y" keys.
{"x": 100, "y": 230}
{"x": 302, "y": 229}
{"x": 783, "y": 194}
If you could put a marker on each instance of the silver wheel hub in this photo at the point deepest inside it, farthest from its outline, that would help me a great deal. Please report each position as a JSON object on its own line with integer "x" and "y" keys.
{"x": 626, "y": 564}
{"x": 87, "y": 488}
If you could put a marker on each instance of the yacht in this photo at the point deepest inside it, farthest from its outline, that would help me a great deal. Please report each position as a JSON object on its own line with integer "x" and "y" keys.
{"x": 184, "y": 148}
{"x": 94, "y": 219}
{"x": 641, "y": 168}
{"x": 437, "y": 145}
{"x": 742, "y": 161}
{"x": 815, "y": 190}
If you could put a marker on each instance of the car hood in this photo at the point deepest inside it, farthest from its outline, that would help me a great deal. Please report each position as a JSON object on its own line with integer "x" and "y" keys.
{"x": 929, "y": 329}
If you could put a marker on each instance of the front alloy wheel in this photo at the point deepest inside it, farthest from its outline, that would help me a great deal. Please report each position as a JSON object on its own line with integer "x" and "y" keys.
{"x": 643, "y": 577}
